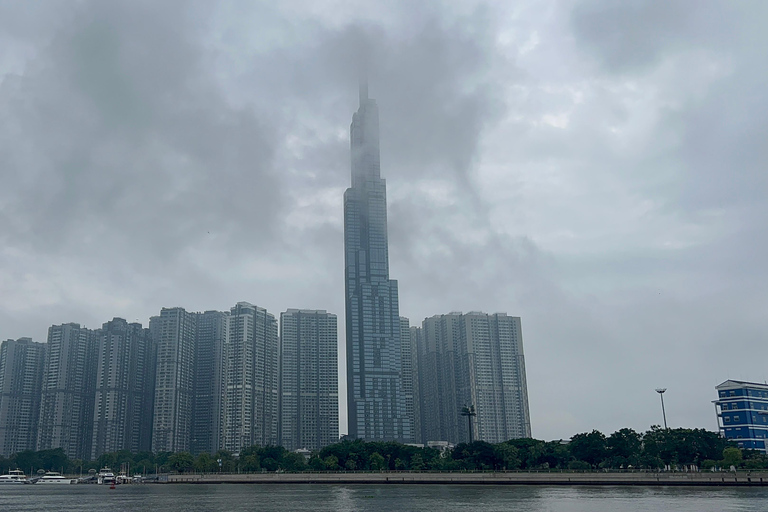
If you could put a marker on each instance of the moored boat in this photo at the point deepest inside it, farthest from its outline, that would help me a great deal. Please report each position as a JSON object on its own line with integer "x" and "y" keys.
{"x": 14, "y": 476}
{"x": 52, "y": 477}
{"x": 106, "y": 476}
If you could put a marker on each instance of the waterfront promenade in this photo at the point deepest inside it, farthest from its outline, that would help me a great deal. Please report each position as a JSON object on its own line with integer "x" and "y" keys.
{"x": 741, "y": 479}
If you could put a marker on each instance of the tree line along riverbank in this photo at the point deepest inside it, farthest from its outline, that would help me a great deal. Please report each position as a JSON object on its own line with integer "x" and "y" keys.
{"x": 624, "y": 449}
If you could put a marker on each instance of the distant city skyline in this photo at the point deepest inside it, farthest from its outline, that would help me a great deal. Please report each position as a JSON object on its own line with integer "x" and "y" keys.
{"x": 202, "y": 382}
{"x": 127, "y": 387}
{"x": 580, "y": 164}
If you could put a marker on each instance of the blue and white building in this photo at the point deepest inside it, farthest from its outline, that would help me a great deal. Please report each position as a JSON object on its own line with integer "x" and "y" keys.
{"x": 742, "y": 413}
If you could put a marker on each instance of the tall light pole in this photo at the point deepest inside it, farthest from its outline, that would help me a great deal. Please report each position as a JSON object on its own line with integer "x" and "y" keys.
{"x": 661, "y": 391}
{"x": 469, "y": 411}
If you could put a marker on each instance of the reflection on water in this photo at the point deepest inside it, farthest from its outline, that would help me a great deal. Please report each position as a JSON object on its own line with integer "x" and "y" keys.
{"x": 384, "y": 498}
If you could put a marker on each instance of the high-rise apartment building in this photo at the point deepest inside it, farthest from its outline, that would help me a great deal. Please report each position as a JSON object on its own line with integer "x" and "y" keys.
{"x": 309, "y": 395}
{"x": 418, "y": 420}
{"x": 250, "y": 378}
{"x": 66, "y": 402}
{"x": 376, "y": 405}
{"x": 207, "y": 404}
{"x": 473, "y": 359}
{"x": 21, "y": 373}
{"x": 174, "y": 332}
{"x": 124, "y": 394}
{"x": 440, "y": 402}
{"x": 408, "y": 379}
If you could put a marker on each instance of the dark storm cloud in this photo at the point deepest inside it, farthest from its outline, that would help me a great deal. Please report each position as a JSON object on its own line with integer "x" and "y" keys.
{"x": 721, "y": 44}
{"x": 594, "y": 167}
{"x": 121, "y": 131}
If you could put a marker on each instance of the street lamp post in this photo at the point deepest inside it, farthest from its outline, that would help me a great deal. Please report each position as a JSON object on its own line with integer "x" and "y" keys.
{"x": 469, "y": 411}
{"x": 661, "y": 391}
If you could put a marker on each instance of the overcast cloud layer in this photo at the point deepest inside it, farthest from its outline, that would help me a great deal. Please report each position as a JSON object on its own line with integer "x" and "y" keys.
{"x": 597, "y": 168}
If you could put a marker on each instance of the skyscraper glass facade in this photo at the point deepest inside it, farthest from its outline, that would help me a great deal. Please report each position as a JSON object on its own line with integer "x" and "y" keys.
{"x": 69, "y": 379}
{"x": 174, "y": 333}
{"x": 21, "y": 374}
{"x": 125, "y": 384}
{"x": 376, "y": 405}
{"x": 473, "y": 359}
{"x": 309, "y": 382}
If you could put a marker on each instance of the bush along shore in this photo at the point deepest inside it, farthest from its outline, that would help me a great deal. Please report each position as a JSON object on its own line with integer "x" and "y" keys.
{"x": 625, "y": 451}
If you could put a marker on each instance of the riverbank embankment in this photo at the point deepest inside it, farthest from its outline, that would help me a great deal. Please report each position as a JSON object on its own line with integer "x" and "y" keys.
{"x": 741, "y": 479}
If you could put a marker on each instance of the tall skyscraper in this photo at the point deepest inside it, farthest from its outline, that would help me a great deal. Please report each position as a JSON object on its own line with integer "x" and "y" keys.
{"x": 309, "y": 395}
{"x": 124, "y": 397}
{"x": 207, "y": 404}
{"x": 66, "y": 403}
{"x": 21, "y": 373}
{"x": 250, "y": 378}
{"x": 174, "y": 333}
{"x": 474, "y": 359}
{"x": 376, "y": 405}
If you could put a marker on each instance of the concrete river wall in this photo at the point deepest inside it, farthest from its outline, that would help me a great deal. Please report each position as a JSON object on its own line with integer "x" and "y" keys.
{"x": 745, "y": 479}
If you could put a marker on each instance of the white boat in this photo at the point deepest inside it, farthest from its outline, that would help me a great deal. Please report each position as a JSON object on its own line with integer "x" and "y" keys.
{"x": 14, "y": 476}
{"x": 106, "y": 476}
{"x": 52, "y": 477}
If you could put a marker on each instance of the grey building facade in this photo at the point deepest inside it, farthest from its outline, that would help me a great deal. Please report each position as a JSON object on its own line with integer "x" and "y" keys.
{"x": 250, "y": 378}
{"x": 21, "y": 374}
{"x": 376, "y": 405}
{"x": 125, "y": 385}
{"x": 440, "y": 401}
{"x": 174, "y": 332}
{"x": 418, "y": 419}
{"x": 309, "y": 386}
{"x": 207, "y": 404}
{"x": 408, "y": 379}
{"x": 473, "y": 359}
{"x": 66, "y": 402}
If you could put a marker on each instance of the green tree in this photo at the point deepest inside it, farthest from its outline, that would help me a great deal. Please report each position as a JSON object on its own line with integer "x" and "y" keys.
{"x": 331, "y": 462}
{"x": 507, "y": 456}
{"x": 27, "y": 461}
{"x": 316, "y": 463}
{"x": 579, "y": 465}
{"x": 376, "y": 461}
{"x": 732, "y": 457}
{"x": 181, "y": 462}
{"x": 293, "y": 462}
{"x": 624, "y": 443}
{"x": 417, "y": 462}
{"x": 270, "y": 464}
{"x": 54, "y": 459}
{"x": 204, "y": 463}
{"x": 589, "y": 447}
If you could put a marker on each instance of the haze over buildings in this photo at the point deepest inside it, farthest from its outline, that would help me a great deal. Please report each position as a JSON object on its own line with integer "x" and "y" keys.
{"x": 601, "y": 159}
{"x": 375, "y": 397}
{"x": 203, "y": 382}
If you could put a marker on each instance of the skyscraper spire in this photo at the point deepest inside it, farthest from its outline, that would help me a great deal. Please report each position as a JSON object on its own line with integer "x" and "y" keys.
{"x": 363, "y": 89}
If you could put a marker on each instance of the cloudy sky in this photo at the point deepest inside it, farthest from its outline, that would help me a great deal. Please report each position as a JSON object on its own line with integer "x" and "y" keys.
{"x": 597, "y": 168}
